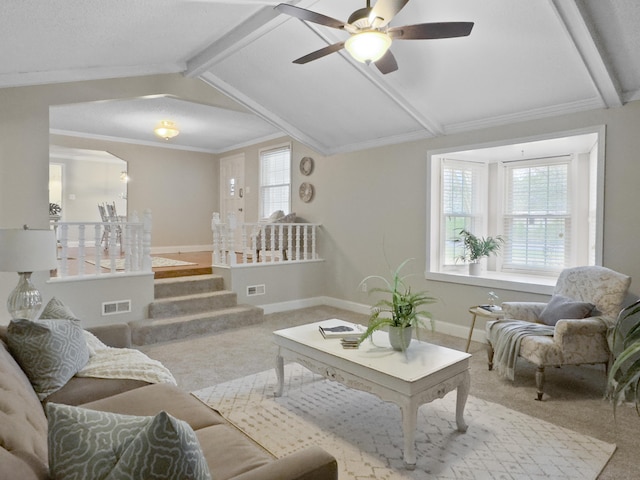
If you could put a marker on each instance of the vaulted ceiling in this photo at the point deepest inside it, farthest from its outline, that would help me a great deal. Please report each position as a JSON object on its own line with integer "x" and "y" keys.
{"x": 523, "y": 60}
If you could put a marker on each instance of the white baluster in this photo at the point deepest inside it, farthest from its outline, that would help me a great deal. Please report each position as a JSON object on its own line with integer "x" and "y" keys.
{"x": 64, "y": 241}
{"x": 81, "y": 249}
{"x": 98, "y": 247}
{"x": 146, "y": 240}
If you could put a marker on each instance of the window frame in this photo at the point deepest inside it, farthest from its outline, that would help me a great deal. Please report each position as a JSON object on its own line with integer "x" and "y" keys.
{"x": 261, "y": 152}
{"x": 513, "y": 280}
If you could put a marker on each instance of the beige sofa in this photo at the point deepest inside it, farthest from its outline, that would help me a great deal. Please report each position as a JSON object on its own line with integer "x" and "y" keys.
{"x": 229, "y": 453}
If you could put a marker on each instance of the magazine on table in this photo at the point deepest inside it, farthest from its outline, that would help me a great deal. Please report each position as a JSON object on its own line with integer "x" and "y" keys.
{"x": 335, "y": 328}
{"x": 492, "y": 308}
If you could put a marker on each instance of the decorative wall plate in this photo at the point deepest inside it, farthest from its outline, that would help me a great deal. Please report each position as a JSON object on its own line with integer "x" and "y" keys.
{"x": 306, "y": 192}
{"x": 306, "y": 165}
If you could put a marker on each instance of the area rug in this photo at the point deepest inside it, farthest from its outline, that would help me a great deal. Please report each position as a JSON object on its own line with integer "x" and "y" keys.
{"x": 156, "y": 262}
{"x": 365, "y": 434}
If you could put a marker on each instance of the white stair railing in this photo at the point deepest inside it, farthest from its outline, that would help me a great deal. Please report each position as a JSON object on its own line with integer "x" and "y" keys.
{"x": 81, "y": 244}
{"x": 253, "y": 243}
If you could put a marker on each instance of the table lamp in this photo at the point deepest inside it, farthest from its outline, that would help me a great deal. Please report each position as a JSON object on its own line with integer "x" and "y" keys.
{"x": 26, "y": 251}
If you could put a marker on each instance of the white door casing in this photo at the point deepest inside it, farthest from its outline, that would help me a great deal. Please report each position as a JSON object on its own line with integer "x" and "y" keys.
{"x": 232, "y": 192}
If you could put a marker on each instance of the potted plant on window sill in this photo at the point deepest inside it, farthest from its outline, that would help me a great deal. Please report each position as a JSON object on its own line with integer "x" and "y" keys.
{"x": 403, "y": 306}
{"x": 476, "y": 248}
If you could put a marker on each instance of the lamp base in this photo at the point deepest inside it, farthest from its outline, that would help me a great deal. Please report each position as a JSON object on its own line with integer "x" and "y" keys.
{"x": 25, "y": 300}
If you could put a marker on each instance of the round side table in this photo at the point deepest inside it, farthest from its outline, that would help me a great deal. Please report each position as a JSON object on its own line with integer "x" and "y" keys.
{"x": 479, "y": 311}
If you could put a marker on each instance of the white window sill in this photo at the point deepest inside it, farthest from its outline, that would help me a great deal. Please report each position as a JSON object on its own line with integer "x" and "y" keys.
{"x": 504, "y": 281}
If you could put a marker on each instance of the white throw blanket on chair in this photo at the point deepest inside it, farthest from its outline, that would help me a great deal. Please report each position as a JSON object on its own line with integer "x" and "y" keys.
{"x": 505, "y": 337}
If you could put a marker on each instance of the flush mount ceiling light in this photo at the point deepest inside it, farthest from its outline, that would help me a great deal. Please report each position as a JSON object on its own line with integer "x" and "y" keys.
{"x": 368, "y": 46}
{"x": 166, "y": 129}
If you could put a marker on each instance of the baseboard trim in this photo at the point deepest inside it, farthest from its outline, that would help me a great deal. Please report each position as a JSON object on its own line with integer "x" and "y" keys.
{"x": 181, "y": 249}
{"x": 441, "y": 326}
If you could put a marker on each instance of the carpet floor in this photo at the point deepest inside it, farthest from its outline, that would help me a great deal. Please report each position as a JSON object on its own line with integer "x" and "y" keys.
{"x": 365, "y": 435}
{"x": 573, "y": 395}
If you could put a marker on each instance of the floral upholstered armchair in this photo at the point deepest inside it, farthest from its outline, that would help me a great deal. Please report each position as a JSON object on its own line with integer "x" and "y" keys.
{"x": 569, "y": 330}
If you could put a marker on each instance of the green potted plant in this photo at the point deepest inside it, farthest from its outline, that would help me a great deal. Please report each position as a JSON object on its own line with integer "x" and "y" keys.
{"x": 624, "y": 375}
{"x": 475, "y": 248}
{"x": 400, "y": 312}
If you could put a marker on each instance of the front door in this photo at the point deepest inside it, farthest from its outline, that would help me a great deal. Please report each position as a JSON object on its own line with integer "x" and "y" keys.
{"x": 232, "y": 194}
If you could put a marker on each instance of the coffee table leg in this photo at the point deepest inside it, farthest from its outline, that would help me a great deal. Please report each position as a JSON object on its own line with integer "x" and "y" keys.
{"x": 461, "y": 400}
{"x": 280, "y": 375}
{"x": 409, "y": 420}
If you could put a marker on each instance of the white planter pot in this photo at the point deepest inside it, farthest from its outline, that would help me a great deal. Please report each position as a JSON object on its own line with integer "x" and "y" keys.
{"x": 400, "y": 337}
{"x": 475, "y": 269}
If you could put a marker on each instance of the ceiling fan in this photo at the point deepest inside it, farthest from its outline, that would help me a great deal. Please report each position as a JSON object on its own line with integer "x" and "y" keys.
{"x": 371, "y": 36}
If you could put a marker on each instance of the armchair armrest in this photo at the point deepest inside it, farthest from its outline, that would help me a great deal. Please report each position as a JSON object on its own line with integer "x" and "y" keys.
{"x": 529, "y": 311}
{"x": 567, "y": 328}
{"x": 312, "y": 463}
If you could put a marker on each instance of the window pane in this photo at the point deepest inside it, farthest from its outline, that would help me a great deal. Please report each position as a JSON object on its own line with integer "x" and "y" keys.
{"x": 460, "y": 194}
{"x": 275, "y": 180}
{"x": 538, "y": 217}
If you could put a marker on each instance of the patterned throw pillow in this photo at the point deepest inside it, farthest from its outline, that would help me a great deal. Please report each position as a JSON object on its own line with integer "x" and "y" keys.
{"x": 561, "y": 307}
{"x": 56, "y": 309}
{"x": 49, "y": 351}
{"x": 86, "y": 444}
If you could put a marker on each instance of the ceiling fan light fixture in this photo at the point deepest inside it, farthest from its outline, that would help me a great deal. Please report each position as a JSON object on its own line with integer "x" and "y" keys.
{"x": 166, "y": 129}
{"x": 368, "y": 46}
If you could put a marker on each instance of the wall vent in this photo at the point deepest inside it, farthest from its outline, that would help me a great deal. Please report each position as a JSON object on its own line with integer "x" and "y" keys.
{"x": 116, "y": 307}
{"x": 255, "y": 290}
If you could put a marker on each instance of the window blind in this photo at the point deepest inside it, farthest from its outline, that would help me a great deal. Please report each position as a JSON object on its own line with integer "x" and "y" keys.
{"x": 275, "y": 180}
{"x": 461, "y": 205}
{"x": 537, "y": 220}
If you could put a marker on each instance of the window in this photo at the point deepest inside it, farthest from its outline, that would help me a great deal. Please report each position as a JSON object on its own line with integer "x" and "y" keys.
{"x": 275, "y": 180}
{"x": 542, "y": 196}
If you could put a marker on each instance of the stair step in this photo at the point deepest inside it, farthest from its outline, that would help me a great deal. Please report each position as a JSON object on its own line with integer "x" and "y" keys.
{"x": 148, "y": 331}
{"x": 175, "y": 287}
{"x": 191, "y": 304}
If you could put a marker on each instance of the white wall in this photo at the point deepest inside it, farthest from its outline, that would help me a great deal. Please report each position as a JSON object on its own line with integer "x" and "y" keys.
{"x": 371, "y": 204}
{"x": 180, "y": 188}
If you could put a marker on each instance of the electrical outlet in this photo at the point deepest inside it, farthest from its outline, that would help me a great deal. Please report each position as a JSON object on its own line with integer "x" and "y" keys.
{"x": 364, "y": 287}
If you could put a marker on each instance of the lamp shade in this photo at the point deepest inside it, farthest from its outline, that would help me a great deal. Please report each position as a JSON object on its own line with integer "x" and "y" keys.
{"x": 368, "y": 46}
{"x": 27, "y": 250}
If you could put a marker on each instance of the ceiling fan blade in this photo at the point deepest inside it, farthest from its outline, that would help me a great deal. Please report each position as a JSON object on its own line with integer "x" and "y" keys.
{"x": 387, "y": 63}
{"x": 319, "y": 53}
{"x": 427, "y": 31}
{"x": 309, "y": 16}
{"x": 386, "y": 10}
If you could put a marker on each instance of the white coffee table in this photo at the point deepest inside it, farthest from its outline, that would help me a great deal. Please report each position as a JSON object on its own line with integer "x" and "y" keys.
{"x": 425, "y": 373}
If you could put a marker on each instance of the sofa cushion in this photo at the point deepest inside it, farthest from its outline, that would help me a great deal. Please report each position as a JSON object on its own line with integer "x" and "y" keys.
{"x": 561, "y": 307}
{"x": 49, "y": 351}
{"x": 86, "y": 443}
{"x": 81, "y": 390}
{"x": 152, "y": 399}
{"x": 229, "y": 452}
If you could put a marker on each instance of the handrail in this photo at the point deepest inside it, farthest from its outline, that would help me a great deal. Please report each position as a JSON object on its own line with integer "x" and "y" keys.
{"x": 253, "y": 243}
{"x": 127, "y": 247}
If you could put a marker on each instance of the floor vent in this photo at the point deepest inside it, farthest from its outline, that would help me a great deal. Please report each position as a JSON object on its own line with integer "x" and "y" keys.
{"x": 114, "y": 308}
{"x": 255, "y": 290}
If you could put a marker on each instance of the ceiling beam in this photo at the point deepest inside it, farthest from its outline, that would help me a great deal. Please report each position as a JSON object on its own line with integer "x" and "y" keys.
{"x": 592, "y": 55}
{"x": 246, "y": 32}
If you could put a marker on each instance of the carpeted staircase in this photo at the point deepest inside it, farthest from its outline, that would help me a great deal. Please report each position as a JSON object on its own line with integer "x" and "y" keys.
{"x": 191, "y": 305}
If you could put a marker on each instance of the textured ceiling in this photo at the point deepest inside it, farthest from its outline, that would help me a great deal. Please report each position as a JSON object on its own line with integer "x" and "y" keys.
{"x": 524, "y": 59}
